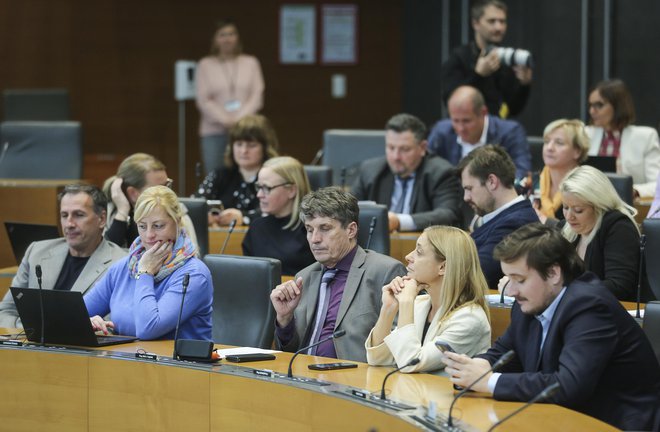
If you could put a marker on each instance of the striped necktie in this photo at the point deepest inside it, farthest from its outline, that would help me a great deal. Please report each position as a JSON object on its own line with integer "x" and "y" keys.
{"x": 322, "y": 310}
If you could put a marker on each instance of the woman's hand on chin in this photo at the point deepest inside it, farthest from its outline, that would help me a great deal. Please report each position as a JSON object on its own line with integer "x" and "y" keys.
{"x": 155, "y": 257}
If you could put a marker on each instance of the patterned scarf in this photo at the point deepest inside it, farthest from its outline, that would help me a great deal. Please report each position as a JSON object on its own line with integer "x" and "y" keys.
{"x": 183, "y": 250}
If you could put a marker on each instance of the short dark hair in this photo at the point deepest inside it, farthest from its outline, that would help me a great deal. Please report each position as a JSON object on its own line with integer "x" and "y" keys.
{"x": 332, "y": 202}
{"x": 99, "y": 199}
{"x": 478, "y": 8}
{"x": 616, "y": 93}
{"x": 489, "y": 159}
{"x": 544, "y": 247}
{"x": 407, "y": 122}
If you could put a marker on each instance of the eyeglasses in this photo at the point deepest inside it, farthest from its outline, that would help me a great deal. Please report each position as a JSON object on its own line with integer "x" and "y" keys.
{"x": 268, "y": 189}
{"x": 597, "y": 105}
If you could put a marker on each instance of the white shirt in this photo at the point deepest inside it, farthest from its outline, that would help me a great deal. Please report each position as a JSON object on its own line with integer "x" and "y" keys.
{"x": 467, "y": 147}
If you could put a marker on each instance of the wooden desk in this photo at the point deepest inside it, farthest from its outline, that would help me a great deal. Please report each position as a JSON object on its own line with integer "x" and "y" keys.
{"x": 55, "y": 390}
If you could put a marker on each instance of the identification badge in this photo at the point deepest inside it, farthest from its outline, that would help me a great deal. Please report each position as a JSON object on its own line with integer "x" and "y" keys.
{"x": 233, "y": 105}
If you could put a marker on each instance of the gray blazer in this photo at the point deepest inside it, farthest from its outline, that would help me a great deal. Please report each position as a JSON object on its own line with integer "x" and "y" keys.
{"x": 50, "y": 254}
{"x": 359, "y": 307}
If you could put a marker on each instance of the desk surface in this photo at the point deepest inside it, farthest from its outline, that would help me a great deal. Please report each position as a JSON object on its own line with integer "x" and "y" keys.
{"x": 108, "y": 389}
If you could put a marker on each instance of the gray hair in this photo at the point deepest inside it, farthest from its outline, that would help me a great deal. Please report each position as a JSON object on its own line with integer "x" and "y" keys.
{"x": 99, "y": 199}
{"x": 331, "y": 202}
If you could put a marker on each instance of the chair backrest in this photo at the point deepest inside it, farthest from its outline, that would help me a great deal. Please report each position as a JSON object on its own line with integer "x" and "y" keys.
{"x": 36, "y": 105}
{"x": 652, "y": 326}
{"x": 623, "y": 185}
{"x": 345, "y": 149}
{"x": 242, "y": 312}
{"x": 319, "y": 176}
{"x": 536, "y": 150}
{"x": 380, "y": 239}
{"x": 198, "y": 212}
{"x": 41, "y": 150}
{"x": 651, "y": 228}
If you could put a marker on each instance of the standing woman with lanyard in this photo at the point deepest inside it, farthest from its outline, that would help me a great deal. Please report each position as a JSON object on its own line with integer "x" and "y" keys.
{"x": 230, "y": 85}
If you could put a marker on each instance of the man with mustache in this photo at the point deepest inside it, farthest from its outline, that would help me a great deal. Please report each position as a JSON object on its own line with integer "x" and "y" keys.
{"x": 73, "y": 262}
{"x": 341, "y": 291}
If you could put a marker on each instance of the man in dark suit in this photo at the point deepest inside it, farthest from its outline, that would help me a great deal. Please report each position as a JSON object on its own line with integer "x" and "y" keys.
{"x": 470, "y": 126}
{"x": 487, "y": 175}
{"x": 419, "y": 190}
{"x": 566, "y": 328}
{"x": 342, "y": 291}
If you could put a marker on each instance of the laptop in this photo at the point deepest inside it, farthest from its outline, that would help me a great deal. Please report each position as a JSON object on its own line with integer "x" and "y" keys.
{"x": 65, "y": 317}
{"x": 603, "y": 163}
{"x": 22, "y": 235}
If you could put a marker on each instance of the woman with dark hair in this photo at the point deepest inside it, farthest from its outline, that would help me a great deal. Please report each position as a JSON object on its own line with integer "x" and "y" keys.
{"x": 229, "y": 86}
{"x": 253, "y": 141}
{"x": 613, "y": 134}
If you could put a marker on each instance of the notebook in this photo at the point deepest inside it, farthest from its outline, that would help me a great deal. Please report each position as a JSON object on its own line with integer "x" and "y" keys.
{"x": 65, "y": 317}
{"x": 22, "y": 235}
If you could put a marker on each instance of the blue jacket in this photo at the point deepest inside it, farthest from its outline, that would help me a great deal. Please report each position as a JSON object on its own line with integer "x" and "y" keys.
{"x": 507, "y": 133}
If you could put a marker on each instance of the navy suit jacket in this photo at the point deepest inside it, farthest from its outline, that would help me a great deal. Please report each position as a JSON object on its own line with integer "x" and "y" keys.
{"x": 488, "y": 235}
{"x": 594, "y": 349}
{"x": 507, "y": 133}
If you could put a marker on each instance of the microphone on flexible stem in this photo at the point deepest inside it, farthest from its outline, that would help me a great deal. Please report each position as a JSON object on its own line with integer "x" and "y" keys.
{"x": 545, "y": 394}
{"x": 506, "y": 358}
{"x": 198, "y": 173}
{"x": 37, "y": 270}
{"x": 342, "y": 176}
{"x": 642, "y": 246}
{"x": 503, "y": 290}
{"x": 5, "y": 147}
{"x": 335, "y": 335}
{"x": 184, "y": 284}
{"x": 372, "y": 225}
{"x": 317, "y": 157}
{"x": 412, "y": 362}
{"x": 231, "y": 230}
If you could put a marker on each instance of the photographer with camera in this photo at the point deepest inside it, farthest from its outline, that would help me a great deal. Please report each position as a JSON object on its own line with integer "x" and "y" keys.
{"x": 503, "y": 75}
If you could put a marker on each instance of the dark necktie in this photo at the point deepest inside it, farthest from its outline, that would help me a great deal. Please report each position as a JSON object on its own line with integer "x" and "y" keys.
{"x": 402, "y": 201}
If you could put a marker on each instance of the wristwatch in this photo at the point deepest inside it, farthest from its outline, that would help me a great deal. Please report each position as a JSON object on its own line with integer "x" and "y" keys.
{"x": 140, "y": 273}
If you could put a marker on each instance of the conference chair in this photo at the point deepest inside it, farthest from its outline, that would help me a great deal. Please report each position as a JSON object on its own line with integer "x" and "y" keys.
{"x": 319, "y": 176}
{"x": 536, "y": 151}
{"x": 651, "y": 326}
{"x": 345, "y": 149}
{"x": 198, "y": 212}
{"x": 651, "y": 228}
{"x": 242, "y": 312}
{"x": 36, "y": 105}
{"x": 623, "y": 185}
{"x": 380, "y": 239}
{"x": 41, "y": 150}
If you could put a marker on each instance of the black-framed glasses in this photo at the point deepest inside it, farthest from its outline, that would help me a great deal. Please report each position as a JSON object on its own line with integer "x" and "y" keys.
{"x": 268, "y": 189}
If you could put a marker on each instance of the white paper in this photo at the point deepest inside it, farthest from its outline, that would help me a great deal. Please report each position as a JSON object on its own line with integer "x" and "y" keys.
{"x": 244, "y": 350}
{"x": 495, "y": 298}
{"x": 298, "y": 34}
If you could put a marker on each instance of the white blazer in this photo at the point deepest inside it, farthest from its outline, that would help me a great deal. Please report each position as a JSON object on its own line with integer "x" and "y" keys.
{"x": 639, "y": 155}
{"x": 466, "y": 330}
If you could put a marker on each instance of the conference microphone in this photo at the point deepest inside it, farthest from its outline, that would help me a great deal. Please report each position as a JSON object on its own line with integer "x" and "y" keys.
{"x": 506, "y": 358}
{"x": 545, "y": 394}
{"x": 5, "y": 147}
{"x": 338, "y": 333}
{"x": 412, "y": 362}
{"x": 231, "y": 230}
{"x": 317, "y": 157}
{"x": 37, "y": 270}
{"x": 184, "y": 284}
{"x": 640, "y": 275}
{"x": 372, "y": 225}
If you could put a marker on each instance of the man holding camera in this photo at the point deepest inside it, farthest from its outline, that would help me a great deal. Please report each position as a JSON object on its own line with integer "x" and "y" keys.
{"x": 502, "y": 79}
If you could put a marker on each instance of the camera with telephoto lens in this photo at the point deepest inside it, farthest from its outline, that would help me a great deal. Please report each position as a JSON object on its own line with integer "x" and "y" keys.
{"x": 513, "y": 56}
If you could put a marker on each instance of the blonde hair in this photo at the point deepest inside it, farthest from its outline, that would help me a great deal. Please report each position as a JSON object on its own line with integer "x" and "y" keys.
{"x": 159, "y": 196}
{"x": 575, "y": 134}
{"x": 133, "y": 170}
{"x": 292, "y": 172}
{"x": 464, "y": 282}
{"x": 594, "y": 188}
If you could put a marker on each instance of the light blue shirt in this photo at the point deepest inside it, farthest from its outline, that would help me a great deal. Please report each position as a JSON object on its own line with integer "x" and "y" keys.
{"x": 405, "y": 219}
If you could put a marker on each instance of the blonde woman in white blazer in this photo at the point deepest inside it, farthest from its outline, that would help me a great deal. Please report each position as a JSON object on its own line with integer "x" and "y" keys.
{"x": 445, "y": 264}
{"x": 611, "y": 109}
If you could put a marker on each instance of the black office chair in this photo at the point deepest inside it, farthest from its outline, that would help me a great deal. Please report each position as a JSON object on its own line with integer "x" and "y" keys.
{"x": 242, "y": 312}
{"x": 536, "y": 151}
{"x": 198, "y": 212}
{"x": 345, "y": 149}
{"x": 623, "y": 185}
{"x": 380, "y": 239}
{"x": 652, "y": 326}
{"x": 36, "y": 105}
{"x": 41, "y": 150}
{"x": 651, "y": 228}
{"x": 319, "y": 176}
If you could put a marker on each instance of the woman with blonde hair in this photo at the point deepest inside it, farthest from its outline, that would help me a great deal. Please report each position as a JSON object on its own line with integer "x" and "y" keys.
{"x": 143, "y": 291}
{"x": 453, "y": 310}
{"x": 281, "y": 185}
{"x": 565, "y": 146}
{"x": 603, "y": 229}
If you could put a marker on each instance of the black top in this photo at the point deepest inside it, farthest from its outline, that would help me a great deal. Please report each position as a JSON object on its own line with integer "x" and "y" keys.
{"x": 266, "y": 238}
{"x": 122, "y": 233}
{"x": 228, "y": 186}
{"x": 71, "y": 269}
